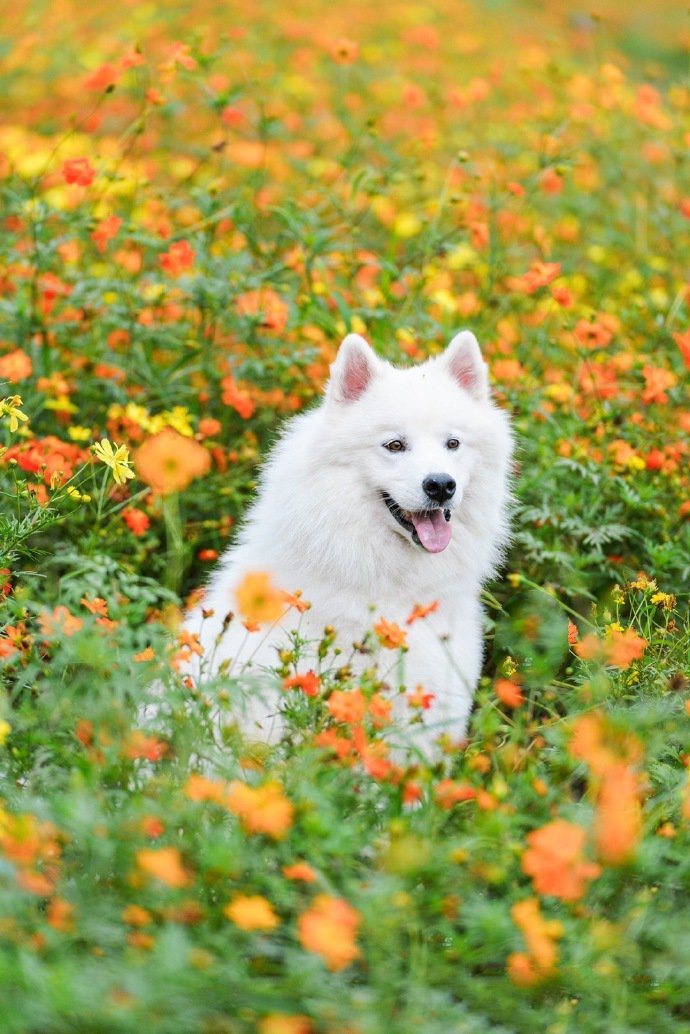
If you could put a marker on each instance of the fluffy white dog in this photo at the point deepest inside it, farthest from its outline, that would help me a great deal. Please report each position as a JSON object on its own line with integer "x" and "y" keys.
{"x": 392, "y": 492}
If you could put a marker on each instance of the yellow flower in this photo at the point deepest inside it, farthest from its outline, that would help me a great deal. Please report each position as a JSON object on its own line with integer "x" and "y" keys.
{"x": 77, "y": 433}
{"x": 251, "y": 912}
{"x": 407, "y": 224}
{"x": 117, "y": 458}
{"x": 5, "y": 730}
{"x": 10, "y": 407}
{"x": 258, "y": 599}
{"x": 61, "y": 404}
{"x": 77, "y": 496}
{"x": 179, "y": 419}
{"x": 666, "y": 599}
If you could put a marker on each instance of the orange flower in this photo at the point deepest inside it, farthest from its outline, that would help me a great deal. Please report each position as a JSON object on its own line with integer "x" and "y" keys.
{"x": 179, "y": 54}
{"x": 449, "y": 792}
{"x": 15, "y": 366}
{"x": 152, "y": 826}
{"x": 207, "y": 554}
{"x": 209, "y": 427}
{"x": 508, "y": 371}
{"x": 540, "y": 936}
{"x": 601, "y": 745}
{"x": 146, "y": 654}
{"x": 266, "y": 307}
{"x": 135, "y": 915}
{"x": 330, "y": 740}
{"x": 136, "y": 520}
{"x": 622, "y": 648}
{"x": 329, "y": 929}
{"x": 657, "y": 380}
{"x": 572, "y": 633}
{"x": 237, "y": 398}
{"x": 252, "y": 912}
{"x": 309, "y": 683}
{"x": 139, "y": 745}
{"x": 200, "y": 788}
{"x": 421, "y": 611}
{"x": 347, "y": 706}
{"x": 294, "y": 599}
{"x": 380, "y": 710}
{"x": 551, "y": 182}
{"x": 58, "y": 623}
{"x": 281, "y": 1023}
{"x": 106, "y": 230}
{"x": 165, "y": 864}
{"x": 509, "y": 693}
{"x": 683, "y": 340}
{"x": 169, "y": 461}
{"x": 179, "y": 257}
{"x": 598, "y": 379}
{"x": 619, "y": 648}
{"x": 79, "y": 171}
{"x": 59, "y": 915}
{"x": 102, "y": 78}
{"x": 555, "y": 861}
{"x": 344, "y": 51}
{"x": 618, "y": 820}
{"x": 390, "y": 635}
{"x": 264, "y": 809}
{"x": 596, "y": 333}
{"x": 299, "y": 871}
{"x": 258, "y": 599}
{"x": 420, "y": 699}
{"x": 539, "y": 275}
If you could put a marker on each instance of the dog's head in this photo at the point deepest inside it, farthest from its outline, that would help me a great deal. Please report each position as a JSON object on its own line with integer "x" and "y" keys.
{"x": 415, "y": 434}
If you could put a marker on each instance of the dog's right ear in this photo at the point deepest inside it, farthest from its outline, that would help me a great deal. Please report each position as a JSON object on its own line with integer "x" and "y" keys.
{"x": 352, "y": 372}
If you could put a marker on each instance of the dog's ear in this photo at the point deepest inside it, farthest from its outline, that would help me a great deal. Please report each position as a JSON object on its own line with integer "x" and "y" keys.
{"x": 465, "y": 364}
{"x": 354, "y": 367}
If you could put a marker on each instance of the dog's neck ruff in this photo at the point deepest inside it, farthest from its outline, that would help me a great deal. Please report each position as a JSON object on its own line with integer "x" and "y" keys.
{"x": 429, "y": 529}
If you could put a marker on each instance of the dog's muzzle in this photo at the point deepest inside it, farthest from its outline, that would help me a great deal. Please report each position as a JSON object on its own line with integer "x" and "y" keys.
{"x": 428, "y": 528}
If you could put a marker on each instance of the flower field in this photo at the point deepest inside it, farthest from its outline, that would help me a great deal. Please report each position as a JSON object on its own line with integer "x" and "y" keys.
{"x": 197, "y": 203}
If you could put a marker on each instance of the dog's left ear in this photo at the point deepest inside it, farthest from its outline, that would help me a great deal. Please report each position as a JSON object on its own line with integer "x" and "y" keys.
{"x": 464, "y": 362}
{"x": 354, "y": 367}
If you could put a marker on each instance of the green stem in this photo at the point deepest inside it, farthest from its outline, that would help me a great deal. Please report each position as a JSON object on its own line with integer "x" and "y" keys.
{"x": 174, "y": 541}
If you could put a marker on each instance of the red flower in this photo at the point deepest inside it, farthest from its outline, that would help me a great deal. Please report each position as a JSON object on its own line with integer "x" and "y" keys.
{"x": 309, "y": 683}
{"x": 177, "y": 258}
{"x": 79, "y": 171}
{"x": 136, "y": 520}
{"x": 237, "y": 398}
{"x": 102, "y": 78}
{"x": 105, "y": 231}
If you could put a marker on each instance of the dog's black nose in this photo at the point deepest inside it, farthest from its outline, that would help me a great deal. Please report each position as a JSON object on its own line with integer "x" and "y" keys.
{"x": 439, "y": 487}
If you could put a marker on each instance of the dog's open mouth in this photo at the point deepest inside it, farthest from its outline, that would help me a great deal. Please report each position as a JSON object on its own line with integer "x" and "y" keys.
{"x": 428, "y": 528}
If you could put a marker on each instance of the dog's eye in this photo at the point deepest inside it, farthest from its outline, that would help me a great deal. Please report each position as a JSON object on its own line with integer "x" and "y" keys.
{"x": 452, "y": 443}
{"x": 397, "y": 445}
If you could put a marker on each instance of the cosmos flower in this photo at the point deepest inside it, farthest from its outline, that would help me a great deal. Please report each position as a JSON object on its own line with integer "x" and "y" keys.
{"x": 116, "y": 457}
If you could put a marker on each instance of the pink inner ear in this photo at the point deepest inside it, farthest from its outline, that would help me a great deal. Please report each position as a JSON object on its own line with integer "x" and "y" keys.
{"x": 356, "y": 377}
{"x": 465, "y": 371}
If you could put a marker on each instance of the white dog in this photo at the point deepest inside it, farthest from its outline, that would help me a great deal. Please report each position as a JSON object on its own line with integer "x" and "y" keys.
{"x": 392, "y": 492}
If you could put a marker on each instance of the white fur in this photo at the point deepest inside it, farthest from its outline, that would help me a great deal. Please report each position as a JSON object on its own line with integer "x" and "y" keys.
{"x": 319, "y": 524}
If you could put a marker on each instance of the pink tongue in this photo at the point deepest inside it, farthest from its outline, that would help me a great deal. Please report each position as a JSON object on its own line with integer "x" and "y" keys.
{"x": 433, "y": 530}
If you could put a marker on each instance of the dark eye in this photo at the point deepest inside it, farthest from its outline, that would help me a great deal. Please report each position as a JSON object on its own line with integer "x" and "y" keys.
{"x": 397, "y": 445}
{"x": 452, "y": 443}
